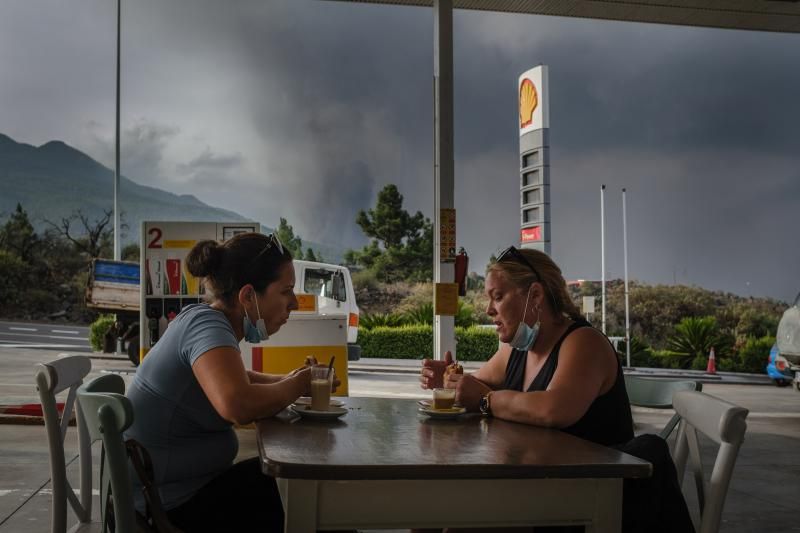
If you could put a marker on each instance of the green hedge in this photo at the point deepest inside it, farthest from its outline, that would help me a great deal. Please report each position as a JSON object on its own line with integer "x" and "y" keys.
{"x": 98, "y": 330}
{"x": 753, "y": 356}
{"x": 416, "y": 342}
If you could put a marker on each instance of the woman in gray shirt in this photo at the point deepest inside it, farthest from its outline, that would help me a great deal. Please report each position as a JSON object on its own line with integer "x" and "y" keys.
{"x": 193, "y": 386}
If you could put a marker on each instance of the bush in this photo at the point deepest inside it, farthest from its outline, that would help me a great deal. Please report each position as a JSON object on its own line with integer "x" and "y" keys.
{"x": 416, "y": 342}
{"x": 423, "y": 314}
{"x": 641, "y": 354}
{"x": 752, "y": 357}
{"x": 375, "y": 320}
{"x": 476, "y": 343}
{"x": 364, "y": 279}
{"x": 98, "y": 330}
{"x": 404, "y": 342}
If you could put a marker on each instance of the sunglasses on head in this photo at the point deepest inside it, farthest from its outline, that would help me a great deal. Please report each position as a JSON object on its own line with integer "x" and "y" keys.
{"x": 512, "y": 254}
{"x": 272, "y": 242}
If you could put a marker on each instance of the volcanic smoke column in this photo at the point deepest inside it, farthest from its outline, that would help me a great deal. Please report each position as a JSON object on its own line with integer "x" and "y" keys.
{"x": 534, "y": 160}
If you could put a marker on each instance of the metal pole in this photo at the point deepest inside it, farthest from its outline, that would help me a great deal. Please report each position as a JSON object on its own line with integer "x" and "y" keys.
{"x": 117, "y": 249}
{"x": 444, "y": 337}
{"x": 117, "y": 239}
{"x": 625, "y": 256}
{"x": 603, "y": 251}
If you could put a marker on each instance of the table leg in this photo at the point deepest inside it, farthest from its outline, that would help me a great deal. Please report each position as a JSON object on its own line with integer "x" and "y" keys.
{"x": 299, "y": 497}
{"x": 608, "y": 511}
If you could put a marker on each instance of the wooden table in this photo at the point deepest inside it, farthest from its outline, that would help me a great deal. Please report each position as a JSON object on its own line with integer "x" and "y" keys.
{"x": 384, "y": 465}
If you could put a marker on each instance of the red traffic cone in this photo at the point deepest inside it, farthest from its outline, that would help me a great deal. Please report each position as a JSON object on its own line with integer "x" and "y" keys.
{"x": 712, "y": 362}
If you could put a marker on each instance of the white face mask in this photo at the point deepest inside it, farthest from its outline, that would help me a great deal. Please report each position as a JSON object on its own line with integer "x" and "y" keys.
{"x": 257, "y": 333}
{"x": 526, "y": 335}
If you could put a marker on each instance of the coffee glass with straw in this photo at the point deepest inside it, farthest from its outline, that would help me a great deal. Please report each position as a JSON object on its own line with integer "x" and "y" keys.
{"x": 321, "y": 385}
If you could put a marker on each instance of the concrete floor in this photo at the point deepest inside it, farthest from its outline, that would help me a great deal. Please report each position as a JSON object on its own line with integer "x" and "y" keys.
{"x": 761, "y": 498}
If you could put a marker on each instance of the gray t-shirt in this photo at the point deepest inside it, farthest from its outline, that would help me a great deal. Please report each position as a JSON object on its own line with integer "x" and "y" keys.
{"x": 189, "y": 443}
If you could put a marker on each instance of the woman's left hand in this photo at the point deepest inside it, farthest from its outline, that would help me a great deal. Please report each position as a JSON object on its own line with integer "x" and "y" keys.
{"x": 336, "y": 382}
{"x": 469, "y": 392}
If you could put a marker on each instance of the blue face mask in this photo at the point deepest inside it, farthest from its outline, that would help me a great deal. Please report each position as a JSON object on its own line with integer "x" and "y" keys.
{"x": 254, "y": 334}
{"x": 525, "y": 335}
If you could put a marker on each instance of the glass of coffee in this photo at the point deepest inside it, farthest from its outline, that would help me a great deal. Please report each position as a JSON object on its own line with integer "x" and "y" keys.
{"x": 444, "y": 398}
{"x": 321, "y": 385}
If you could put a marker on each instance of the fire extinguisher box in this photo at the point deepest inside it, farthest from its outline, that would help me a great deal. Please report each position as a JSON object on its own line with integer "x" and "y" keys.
{"x": 304, "y": 334}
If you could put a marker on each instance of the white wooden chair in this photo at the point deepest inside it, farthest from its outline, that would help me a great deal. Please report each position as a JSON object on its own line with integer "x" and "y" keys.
{"x": 51, "y": 379}
{"x": 722, "y": 422}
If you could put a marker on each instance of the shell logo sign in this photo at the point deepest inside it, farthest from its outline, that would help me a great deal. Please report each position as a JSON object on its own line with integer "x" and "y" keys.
{"x": 533, "y": 100}
{"x": 528, "y": 102}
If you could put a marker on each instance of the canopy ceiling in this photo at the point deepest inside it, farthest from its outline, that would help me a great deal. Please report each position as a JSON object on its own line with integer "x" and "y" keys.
{"x": 760, "y": 15}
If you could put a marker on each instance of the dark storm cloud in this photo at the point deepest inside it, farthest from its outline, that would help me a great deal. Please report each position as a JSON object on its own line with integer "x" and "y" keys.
{"x": 210, "y": 162}
{"x": 144, "y": 144}
{"x": 354, "y": 98}
{"x": 333, "y": 100}
{"x": 686, "y": 118}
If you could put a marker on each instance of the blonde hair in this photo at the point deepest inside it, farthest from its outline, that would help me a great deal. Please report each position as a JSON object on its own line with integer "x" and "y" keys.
{"x": 549, "y": 275}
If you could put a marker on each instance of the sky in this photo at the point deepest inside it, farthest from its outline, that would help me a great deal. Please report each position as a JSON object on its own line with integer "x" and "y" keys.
{"x": 305, "y": 109}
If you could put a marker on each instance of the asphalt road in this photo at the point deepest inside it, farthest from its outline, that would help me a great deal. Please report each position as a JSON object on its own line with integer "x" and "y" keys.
{"x": 775, "y": 406}
{"x": 44, "y": 337}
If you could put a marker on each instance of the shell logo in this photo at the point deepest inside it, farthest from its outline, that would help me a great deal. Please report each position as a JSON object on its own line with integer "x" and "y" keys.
{"x": 528, "y": 101}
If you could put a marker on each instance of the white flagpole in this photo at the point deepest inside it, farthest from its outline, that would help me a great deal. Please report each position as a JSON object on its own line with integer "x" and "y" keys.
{"x": 603, "y": 251}
{"x": 625, "y": 256}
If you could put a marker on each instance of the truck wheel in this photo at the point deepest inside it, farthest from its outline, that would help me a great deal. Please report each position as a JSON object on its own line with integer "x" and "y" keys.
{"x": 353, "y": 352}
{"x": 133, "y": 351}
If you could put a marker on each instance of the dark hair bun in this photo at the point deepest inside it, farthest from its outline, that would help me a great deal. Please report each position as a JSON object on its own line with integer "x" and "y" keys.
{"x": 205, "y": 258}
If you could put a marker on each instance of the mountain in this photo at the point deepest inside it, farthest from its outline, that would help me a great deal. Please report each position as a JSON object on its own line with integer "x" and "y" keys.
{"x": 54, "y": 180}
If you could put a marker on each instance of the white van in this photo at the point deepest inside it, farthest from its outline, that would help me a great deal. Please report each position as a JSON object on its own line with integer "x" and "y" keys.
{"x": 333, "y": 287}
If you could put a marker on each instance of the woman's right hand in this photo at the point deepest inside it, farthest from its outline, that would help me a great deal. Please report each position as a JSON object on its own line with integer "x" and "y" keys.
{"x": 432, "y": 372}
{"x": 302, "y": 378}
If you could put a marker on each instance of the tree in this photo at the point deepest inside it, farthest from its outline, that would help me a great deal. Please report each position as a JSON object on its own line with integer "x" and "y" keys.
{"x": 40, "y": 275}
{"x": 18, "y": 236}
{"x": 310, "y": 255}
{"x": 293, "y": 243}
{"x": 95, "y": 239}
{"x": 402, "y": 244}
{"x": 389, "y": 223}
{"x": 130, "y": 252}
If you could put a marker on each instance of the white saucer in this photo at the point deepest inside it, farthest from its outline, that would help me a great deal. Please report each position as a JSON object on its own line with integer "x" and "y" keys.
{"x": 330, "y": 414}
{"x": 454, "y": 412}
{"x": 306, "y": 400}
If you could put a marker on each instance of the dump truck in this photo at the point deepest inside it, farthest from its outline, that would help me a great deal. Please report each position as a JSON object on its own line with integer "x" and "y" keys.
{"x": 113, "y": 287}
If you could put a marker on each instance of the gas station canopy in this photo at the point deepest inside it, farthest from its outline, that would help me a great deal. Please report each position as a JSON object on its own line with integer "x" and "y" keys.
{"x": 759, "y": 15}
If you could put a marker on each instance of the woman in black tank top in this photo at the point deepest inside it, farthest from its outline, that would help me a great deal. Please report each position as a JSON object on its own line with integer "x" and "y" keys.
{"x": 553, "y": 369}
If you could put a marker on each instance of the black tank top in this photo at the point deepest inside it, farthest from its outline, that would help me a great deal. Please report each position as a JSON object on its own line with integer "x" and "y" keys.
{"x": 608, "y": 420}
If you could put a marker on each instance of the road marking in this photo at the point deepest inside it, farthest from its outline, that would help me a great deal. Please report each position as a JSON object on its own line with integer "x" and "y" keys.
{"x": 79, "y": 347}
{"x": 22, "y": 329}
{"x": 6, "y": 492}
{"x": 65, "y": 331}
{"x": 39, "y": 335}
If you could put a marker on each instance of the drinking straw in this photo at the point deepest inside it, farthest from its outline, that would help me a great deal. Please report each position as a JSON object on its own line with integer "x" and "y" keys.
{"x": 330, "y": 367}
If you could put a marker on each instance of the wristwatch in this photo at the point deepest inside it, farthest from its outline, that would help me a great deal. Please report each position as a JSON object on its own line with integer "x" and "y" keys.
{"x": 485, "y": 404}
